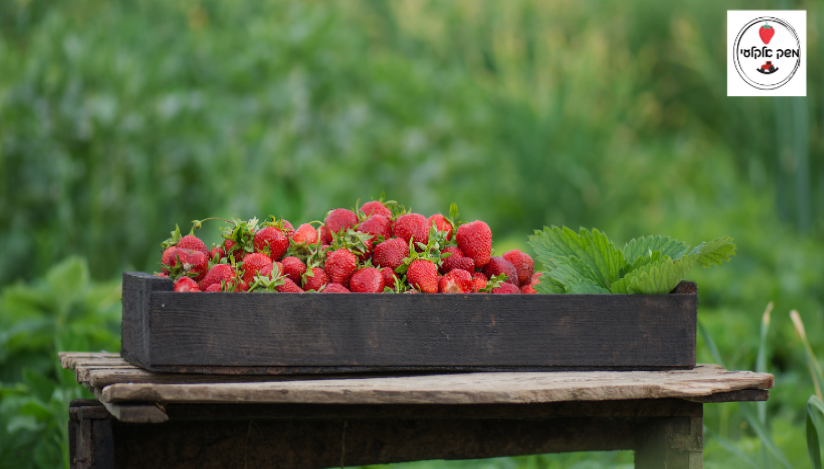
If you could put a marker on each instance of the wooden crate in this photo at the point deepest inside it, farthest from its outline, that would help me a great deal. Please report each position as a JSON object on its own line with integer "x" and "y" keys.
{"x": 269, "y": 333}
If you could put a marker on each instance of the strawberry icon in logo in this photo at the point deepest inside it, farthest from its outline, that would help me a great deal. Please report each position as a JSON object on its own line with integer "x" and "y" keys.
{"x": 766, "y": 32}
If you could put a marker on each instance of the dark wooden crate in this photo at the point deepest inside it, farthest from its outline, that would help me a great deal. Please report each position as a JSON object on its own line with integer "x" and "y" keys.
{"x": 268, "y": 333}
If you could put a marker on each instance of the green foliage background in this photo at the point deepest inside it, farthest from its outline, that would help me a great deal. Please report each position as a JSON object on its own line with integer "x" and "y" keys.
{"x": 120, "y": 119}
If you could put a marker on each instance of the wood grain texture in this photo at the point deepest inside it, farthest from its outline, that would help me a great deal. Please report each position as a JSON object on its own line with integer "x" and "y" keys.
{"x": 465, "y": 388}
{"x": 282, "y": 333}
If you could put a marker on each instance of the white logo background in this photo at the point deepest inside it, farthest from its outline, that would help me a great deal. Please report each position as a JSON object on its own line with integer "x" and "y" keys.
{"x": 743, "y": 79}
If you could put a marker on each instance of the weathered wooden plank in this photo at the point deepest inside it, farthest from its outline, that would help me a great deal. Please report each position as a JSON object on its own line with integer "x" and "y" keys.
{"x": 467, "y": 388}
{"x": 734, "y": 396}
{"x": 229, "y": 333}
{"x": 133, "y": 413}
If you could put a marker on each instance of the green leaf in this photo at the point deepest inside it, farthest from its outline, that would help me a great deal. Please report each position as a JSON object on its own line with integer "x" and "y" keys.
{"x": 556, "y": 246}
{"x": 547, "y": 284}
{"x": 656, "y": 278}
{"x": 815, "y": 430}
{"x": 715, "y": 252}
{"x": 646, "y": 245}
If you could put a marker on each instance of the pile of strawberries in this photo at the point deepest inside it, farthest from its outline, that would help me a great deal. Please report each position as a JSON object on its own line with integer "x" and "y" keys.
{"x": 378, "y": 247}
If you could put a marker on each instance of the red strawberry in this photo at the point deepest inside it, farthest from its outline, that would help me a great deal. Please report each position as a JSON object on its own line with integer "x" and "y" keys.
{"x": 335, "y": 288}
{"x": 376, "y": 207}
{"x": 238, "y": 253}
{"x": 217, "y": 274}
{"x": 456, "y": 281}
{"x": 527, "y": 289}
{"x": 325, "y": 235}
{"x": 169, "y": 259}
{"x": 498, "y": 265}
{"x": 766, "y": 32}
{"x": 256, "y": 264}
{"x": 186, "y": 284}
{"x": 388, "y": 277}
{"x": 285, "y": 226}
{"x": 316, "y": 281}
{"x": 194, "y": 263}
{"x": 337, "y": 220}
{"x": 293, "y": 268}
{"x": 194, "y": 243}
{"x": 412, "y": 225}
{"x": 441, "y": 224}
{"x": 273, "y": 241}
{"x": 457, "y": 261}
{"x": 366, "y": 280}
{"x": 523, "y": 265}
{"x": 242, "y": 286}
{"x": 423, "y": 275}
{"x": 305, "y": 233}
{"x": 475, "y": 240}
{"x": 506, "y": 288}
{"x": 478, "y": 281}
{"x": 340, "y": 265}
{"x": 376, "y": 225}
{"x": 530, "y": 286}
{"x": 288, "y": 286}
{"x": 217, "y": 253}
{"x": 390, "y": 253}
{"x": 215, "y": 287}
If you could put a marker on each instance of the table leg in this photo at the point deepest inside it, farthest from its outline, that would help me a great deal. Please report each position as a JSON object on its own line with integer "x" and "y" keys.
{"x": 671, "y": 443}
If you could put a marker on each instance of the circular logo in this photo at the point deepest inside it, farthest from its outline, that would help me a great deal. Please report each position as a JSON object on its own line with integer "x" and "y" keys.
{"x": 767, "y": 53}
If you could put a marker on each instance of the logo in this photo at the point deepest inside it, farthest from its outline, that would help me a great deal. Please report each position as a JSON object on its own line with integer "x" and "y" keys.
{"x": 767, "y": 53}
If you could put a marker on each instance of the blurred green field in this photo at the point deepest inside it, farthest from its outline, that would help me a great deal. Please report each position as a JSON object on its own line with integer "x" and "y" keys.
{"x": 120, "y": 119}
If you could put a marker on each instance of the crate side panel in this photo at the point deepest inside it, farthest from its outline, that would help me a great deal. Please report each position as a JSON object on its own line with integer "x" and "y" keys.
{"x": 225, "y": 329}
{"x": 135, "y": 326}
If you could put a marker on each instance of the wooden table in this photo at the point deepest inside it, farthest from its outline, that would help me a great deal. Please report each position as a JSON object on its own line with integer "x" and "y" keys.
{"x": 146, "y": 420}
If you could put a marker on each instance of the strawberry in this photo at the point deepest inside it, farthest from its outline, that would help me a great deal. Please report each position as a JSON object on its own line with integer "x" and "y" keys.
{"x": 766, "y": 32}
{"x": 288, "y": 286}
{"x": 478, "y": 281}
{"x": 412, "y": 226}
{"x": 337, "y": 220}
{"x": 523, "y": 265}
{"x": 529, "y": 287}
{"x": 423, "y": 275}
{"x": 340, "y": 265}
{"x": 161, "y": 275}
{"x": 456, "y": 281}
{"x": 367, "y": 280}
{"x": 506, "y": 288}
{"x": 190, "y": 263}
{"x": 456, "y": 261}
{"x": 242, "y": 286}
{"x": 335, "y": 288}
{"x": 217, "y": 274}
{"x": 293, "y": 268}
{"x": 230, "y": 247}
{"x": 389, "y": 277}
{"x": 376, "y": 225}
{"x": 216, "y": 254}
{"x": 316, "y": 281}
{"x": 271, "y": 241}
{"x": 475, "y": 240}
{"x": 390, "y": 253}
{"x": 256, "y": 264}
{"x": 193, "y": 243}
{"x": 441, "y": 224}
{"x": 305, "y": 234}
{"x": 498, "y": 265}
{"x": 186, "y": 284}
{"x": 215, "y": 287}
{"x": 169, "y": 259}
{"x": 376, "y": 207}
